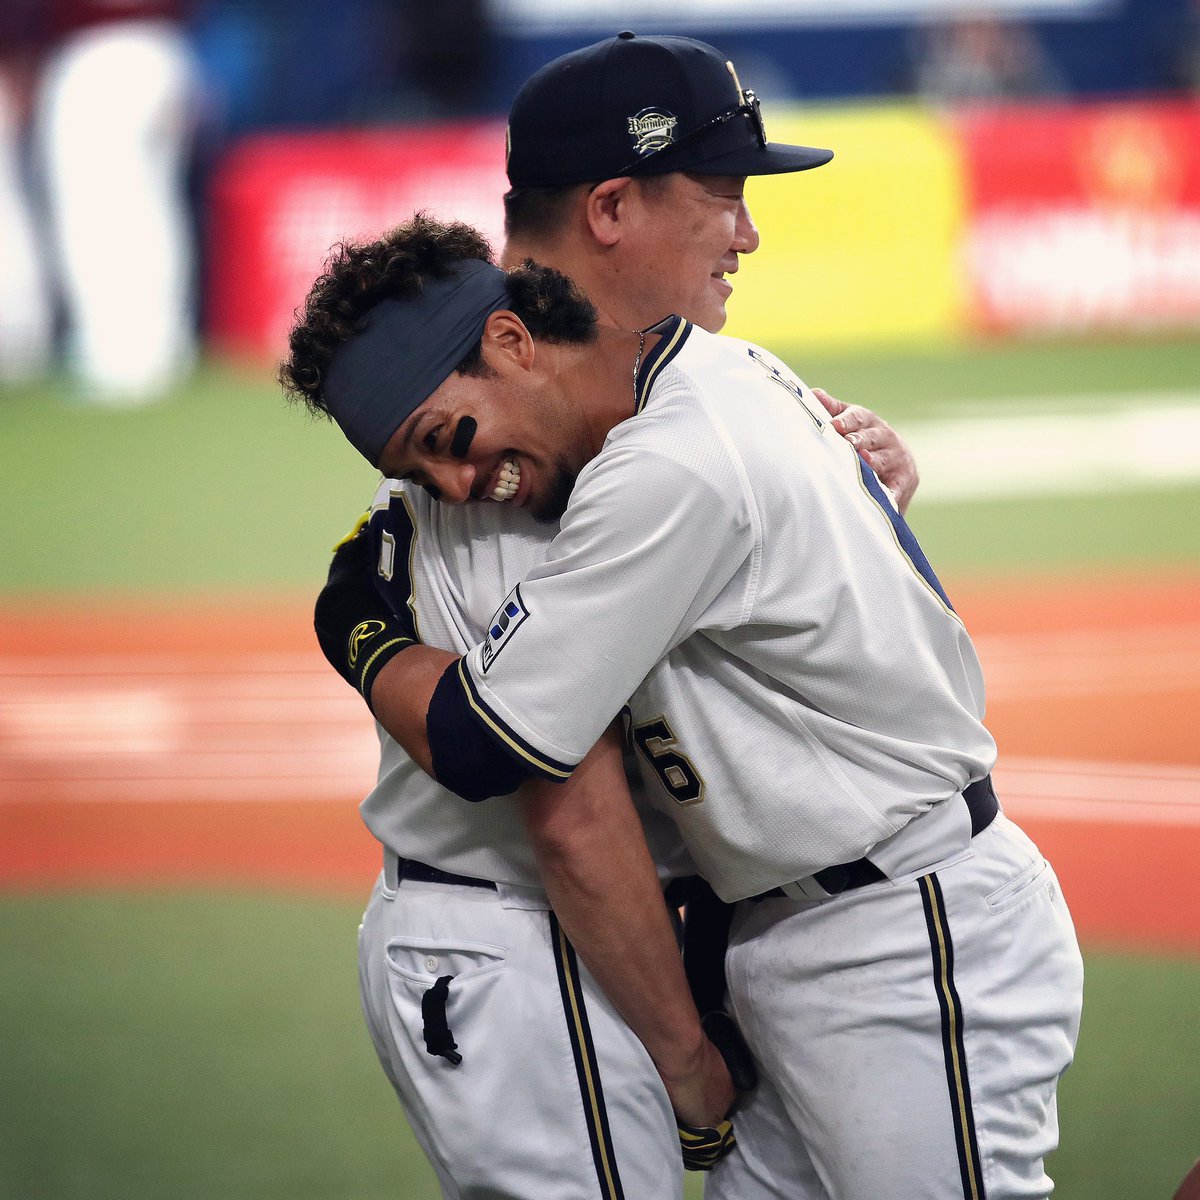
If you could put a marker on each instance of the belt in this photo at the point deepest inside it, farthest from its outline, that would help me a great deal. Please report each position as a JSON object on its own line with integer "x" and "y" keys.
{"x": 980, "y": 798}
{"x": 409, "y": 868}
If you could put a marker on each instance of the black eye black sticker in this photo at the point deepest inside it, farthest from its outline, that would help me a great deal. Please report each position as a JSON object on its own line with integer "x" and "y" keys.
{"x": 464, "y": 431}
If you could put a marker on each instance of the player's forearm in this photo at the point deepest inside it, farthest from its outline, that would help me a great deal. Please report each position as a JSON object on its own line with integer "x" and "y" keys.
{"x": 401, "y": 694}
{"x": 604, "y": 888}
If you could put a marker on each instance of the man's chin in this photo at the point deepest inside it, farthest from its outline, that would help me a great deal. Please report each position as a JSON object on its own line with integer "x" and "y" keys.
{"x": 714, "y": 316}
{"x": 548, "y": 509}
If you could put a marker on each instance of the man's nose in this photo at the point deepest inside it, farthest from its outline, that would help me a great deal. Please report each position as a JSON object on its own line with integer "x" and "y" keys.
{"x": 452, "y": 479}
{"x": 745, "y": 234}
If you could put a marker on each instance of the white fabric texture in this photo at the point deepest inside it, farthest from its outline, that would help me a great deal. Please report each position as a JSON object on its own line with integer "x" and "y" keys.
{"x": 510, "y": 1121}
{"x": 838, "y": 1000}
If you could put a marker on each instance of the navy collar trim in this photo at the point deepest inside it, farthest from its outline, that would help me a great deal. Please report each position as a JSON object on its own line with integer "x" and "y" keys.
{"x": 673, "y": 333}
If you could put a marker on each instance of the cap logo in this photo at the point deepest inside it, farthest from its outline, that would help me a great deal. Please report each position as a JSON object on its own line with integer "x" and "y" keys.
{"x": 651, "y": 130}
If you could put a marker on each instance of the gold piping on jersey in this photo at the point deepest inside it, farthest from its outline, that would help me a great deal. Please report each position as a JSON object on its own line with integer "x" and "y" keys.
{"x": 587, "y": 1069}
{"x": 547, "y": 766}
{"x": 953, "y": 1047}
{"x": 668, "y": 346}
{"x": 862, "y": 483}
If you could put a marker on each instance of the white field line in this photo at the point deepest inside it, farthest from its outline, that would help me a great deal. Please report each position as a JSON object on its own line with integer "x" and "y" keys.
{"x": 1095, "y": 444}
{"x": 272, "y": 727}
{"x": 278, "y": 727}
{"x": 1122, "y": 793}
{"x": 1084, "y": 662}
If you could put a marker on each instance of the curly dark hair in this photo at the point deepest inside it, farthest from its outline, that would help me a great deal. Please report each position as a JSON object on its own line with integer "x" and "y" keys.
{"x": 359, "y": 275}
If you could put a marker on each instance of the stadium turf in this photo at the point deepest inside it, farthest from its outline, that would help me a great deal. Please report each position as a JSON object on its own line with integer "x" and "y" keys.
{"x": 193, "y": 1045}
{"x": 227, "y": 487}
{"x": 156, "y": 1046}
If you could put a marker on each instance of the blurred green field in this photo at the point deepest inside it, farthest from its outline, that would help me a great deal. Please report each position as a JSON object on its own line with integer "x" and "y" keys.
{"x": 226, "y": 486}
{"x": 192, "y": 1045}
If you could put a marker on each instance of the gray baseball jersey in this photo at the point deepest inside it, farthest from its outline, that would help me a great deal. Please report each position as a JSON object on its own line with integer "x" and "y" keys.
{"x": 450, "y": 563}
{"x": 801, "y": 686}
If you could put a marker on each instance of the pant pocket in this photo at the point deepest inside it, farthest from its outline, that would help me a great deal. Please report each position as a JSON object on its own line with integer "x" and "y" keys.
{"x": 1031, "y": 879}
{"x": 437, "y": 1017}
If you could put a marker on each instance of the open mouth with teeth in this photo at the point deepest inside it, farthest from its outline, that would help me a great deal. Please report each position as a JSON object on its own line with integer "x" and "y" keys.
{"x": 509, "y": 481}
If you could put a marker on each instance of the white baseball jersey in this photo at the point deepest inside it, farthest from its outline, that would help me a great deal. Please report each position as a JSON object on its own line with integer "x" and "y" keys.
{"x": 801, "y": 687}
{"x": 800, "y": 691}
{"x": 458, "y": 560}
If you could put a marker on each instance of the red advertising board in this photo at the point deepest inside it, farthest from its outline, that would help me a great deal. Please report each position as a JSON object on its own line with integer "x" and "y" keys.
{"x": 1074, "y": 218}
{"x": 1083, "y": 218}
{"x": 279, "y": 202}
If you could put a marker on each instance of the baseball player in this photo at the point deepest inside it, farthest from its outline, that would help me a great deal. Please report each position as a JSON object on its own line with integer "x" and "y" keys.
{"x": 805, "y": 703}
{"x": 598, "y": 1124}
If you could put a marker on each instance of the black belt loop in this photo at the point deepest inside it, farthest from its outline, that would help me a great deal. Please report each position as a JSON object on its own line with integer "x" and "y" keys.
{"x": 981, "y": 803}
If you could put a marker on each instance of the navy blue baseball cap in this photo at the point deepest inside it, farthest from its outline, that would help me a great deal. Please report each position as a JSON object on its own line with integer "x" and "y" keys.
{"x": 641, "y": 106}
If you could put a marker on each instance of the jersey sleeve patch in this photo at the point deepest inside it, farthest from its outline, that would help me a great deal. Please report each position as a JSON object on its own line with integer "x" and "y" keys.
{"x": 503, "y": 626}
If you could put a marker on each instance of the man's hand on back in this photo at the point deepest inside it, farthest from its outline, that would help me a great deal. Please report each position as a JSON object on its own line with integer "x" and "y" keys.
{"x": 879, "y": 445}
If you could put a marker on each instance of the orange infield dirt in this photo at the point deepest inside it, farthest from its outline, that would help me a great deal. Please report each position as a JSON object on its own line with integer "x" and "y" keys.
{"x": 149, "y": 745}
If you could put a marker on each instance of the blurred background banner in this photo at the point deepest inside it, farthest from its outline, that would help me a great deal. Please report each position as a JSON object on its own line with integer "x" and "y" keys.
{"x": 927, "y": 225}
{"x": 278, "y": 203}
{"x": 1082, "y": 219}
{"x": 561, "y": 15}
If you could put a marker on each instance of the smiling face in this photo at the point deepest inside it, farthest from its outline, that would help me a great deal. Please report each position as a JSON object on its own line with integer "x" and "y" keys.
{"x": 683, "y": 239}
{"x": 495, "y": 436}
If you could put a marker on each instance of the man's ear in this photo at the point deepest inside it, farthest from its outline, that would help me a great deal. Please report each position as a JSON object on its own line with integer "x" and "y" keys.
{"x": 506, "y": 342}
{"x": 605, "y": 209}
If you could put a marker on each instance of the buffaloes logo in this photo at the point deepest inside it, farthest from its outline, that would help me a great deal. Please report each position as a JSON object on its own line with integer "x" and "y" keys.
{"x": 360, "y": 635}
{"x": 651, "y": 129}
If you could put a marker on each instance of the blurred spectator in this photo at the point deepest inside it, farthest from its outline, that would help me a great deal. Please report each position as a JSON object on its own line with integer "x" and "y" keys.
{"x": 1184, "y": 53}
{"x": 114, "y": 121}
{"x": 25, "y": 310}
{"x": 111, "y": 123}
{"x": 981, "y": 58}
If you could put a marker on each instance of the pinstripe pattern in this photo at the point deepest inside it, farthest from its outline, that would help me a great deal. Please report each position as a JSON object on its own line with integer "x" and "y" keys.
{"x": 587, "y": 1069}
{"x": 942, "y": 949}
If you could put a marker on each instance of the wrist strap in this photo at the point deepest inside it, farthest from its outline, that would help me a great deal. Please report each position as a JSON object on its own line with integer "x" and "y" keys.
{"x": 370, "y": 647}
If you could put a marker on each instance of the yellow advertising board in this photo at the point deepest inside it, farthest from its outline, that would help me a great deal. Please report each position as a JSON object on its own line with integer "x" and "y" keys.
{"x": 863, "y": 251}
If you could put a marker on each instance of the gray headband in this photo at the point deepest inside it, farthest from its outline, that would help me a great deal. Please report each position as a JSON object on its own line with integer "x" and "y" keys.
{"x": 405, "y": 350}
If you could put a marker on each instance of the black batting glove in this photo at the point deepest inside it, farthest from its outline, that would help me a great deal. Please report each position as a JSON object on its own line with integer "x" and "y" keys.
{"x": 703, "y": 1148}
{"x": 358, "y": 630}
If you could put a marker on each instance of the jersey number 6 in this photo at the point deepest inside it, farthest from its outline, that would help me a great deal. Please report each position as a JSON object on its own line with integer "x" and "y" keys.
{"x": 656, "y": 743}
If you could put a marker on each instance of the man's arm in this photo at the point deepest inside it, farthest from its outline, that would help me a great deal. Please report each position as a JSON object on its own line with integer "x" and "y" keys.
{"x": 881, "y": 447}
{"x": 364, "y": 639}
{"x": 603, "y": 886}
